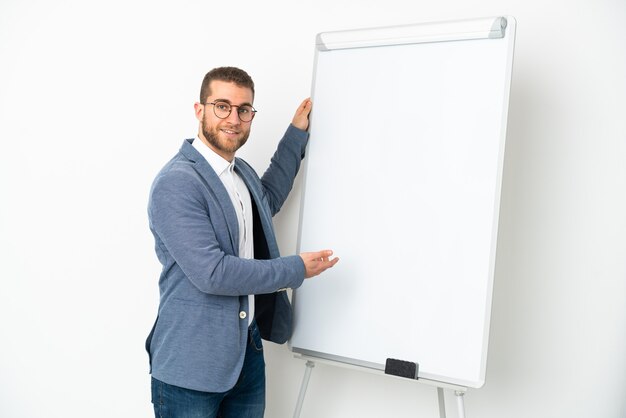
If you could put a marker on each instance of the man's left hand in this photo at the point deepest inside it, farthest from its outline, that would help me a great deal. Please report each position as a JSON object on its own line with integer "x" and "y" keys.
{"x": 301, "y": 118}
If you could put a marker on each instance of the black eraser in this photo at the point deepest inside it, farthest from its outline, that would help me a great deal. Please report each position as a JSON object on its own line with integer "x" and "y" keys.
{"x": 401, "y": 368}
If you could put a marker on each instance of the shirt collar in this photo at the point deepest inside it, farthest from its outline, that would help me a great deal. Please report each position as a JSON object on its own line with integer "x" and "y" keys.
{"x": 217, "y": 163}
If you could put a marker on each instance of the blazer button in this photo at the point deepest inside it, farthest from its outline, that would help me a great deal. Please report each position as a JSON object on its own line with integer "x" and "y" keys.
{"x": 243, "y": 314}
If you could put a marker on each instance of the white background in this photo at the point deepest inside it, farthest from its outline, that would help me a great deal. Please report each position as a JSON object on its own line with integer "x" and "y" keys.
{"x": 96, "y": 96}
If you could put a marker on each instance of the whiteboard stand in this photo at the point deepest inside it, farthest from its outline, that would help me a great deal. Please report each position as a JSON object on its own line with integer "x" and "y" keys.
{"x": 305, "y": 383}
{"x": 459, "y": 391}
{"x": 452, "y": 81}
{"x": 459, "y": 402}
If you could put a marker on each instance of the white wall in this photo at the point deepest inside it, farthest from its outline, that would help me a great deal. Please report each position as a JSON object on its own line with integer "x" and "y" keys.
{"x": 96, "y": 96}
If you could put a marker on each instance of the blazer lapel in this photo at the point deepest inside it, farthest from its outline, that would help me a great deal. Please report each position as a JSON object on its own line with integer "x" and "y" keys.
{"x": 216, "y": 189}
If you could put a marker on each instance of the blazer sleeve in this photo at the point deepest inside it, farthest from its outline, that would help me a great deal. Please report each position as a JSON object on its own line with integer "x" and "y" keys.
{"x": 191, "y": 233}
{"x": 278, "y": 179}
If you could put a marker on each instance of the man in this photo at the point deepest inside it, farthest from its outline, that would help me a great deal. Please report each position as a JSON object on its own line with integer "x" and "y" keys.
{"x": 223, "y": 282}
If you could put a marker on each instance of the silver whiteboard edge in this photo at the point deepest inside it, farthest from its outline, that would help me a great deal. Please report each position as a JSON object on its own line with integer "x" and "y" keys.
{"x": 512, "y": 26}
{"x": 376, "y": 368}
{"x": 305, "y": 163}
{"x": 456, "y": 30}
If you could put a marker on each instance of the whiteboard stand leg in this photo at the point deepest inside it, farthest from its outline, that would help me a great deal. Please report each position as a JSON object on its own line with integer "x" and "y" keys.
{"x": 442, "y": 403}
{"x": 460, "y": 402}
{"x": 305, "y": 383}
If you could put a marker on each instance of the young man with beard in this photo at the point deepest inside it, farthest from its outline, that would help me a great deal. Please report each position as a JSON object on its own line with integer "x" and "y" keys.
{"x": 222, "y": 287}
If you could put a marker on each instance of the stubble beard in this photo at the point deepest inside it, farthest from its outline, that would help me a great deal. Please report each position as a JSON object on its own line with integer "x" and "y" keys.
{"x": 211, "y": 133}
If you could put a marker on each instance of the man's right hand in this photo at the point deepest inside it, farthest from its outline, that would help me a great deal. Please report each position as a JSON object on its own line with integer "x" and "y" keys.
{"x": 317, "y": 262}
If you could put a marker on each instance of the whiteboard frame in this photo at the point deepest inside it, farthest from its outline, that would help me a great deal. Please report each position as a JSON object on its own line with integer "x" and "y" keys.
{"x": 484, "y": 28}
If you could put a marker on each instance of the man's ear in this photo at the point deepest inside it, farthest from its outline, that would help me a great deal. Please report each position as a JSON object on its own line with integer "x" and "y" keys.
{"x": 198, "y": 110}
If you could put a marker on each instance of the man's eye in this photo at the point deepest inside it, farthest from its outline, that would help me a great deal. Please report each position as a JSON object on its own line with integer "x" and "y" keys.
{"x": 222, "y": 106}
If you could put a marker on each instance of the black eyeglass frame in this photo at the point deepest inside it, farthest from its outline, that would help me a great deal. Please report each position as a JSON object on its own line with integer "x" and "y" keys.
{"x": 252, "y": 112}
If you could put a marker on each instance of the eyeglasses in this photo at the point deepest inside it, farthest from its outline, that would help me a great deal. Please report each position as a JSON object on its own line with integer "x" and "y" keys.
{"x": 222, "y": 110}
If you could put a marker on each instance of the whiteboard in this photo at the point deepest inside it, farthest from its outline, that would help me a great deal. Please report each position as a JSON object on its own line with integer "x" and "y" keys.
{"x": 402, "y": 180}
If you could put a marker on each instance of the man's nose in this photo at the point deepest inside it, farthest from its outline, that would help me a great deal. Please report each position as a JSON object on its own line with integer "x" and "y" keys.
{"x": 234, "y": 116}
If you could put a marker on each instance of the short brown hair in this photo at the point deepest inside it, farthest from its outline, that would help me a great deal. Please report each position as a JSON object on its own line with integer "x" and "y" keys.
{"x": 228, "y": 74}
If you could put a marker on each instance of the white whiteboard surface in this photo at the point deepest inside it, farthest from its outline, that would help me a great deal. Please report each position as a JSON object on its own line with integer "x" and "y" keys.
{"x": 402, "y": 180}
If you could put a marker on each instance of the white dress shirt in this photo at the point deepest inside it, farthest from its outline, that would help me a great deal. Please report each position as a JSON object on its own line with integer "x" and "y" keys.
{"x": 240, "y": 197}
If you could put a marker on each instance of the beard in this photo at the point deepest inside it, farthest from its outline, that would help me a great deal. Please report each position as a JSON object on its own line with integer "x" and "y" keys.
{"x": 212, "y": 135}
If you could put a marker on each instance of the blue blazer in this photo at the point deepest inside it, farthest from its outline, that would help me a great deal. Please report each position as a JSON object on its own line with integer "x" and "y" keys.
{"x": 199, "y": 338}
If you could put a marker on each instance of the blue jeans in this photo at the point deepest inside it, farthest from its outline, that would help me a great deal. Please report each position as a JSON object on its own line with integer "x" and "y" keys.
{"x": 245, "y": 400}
